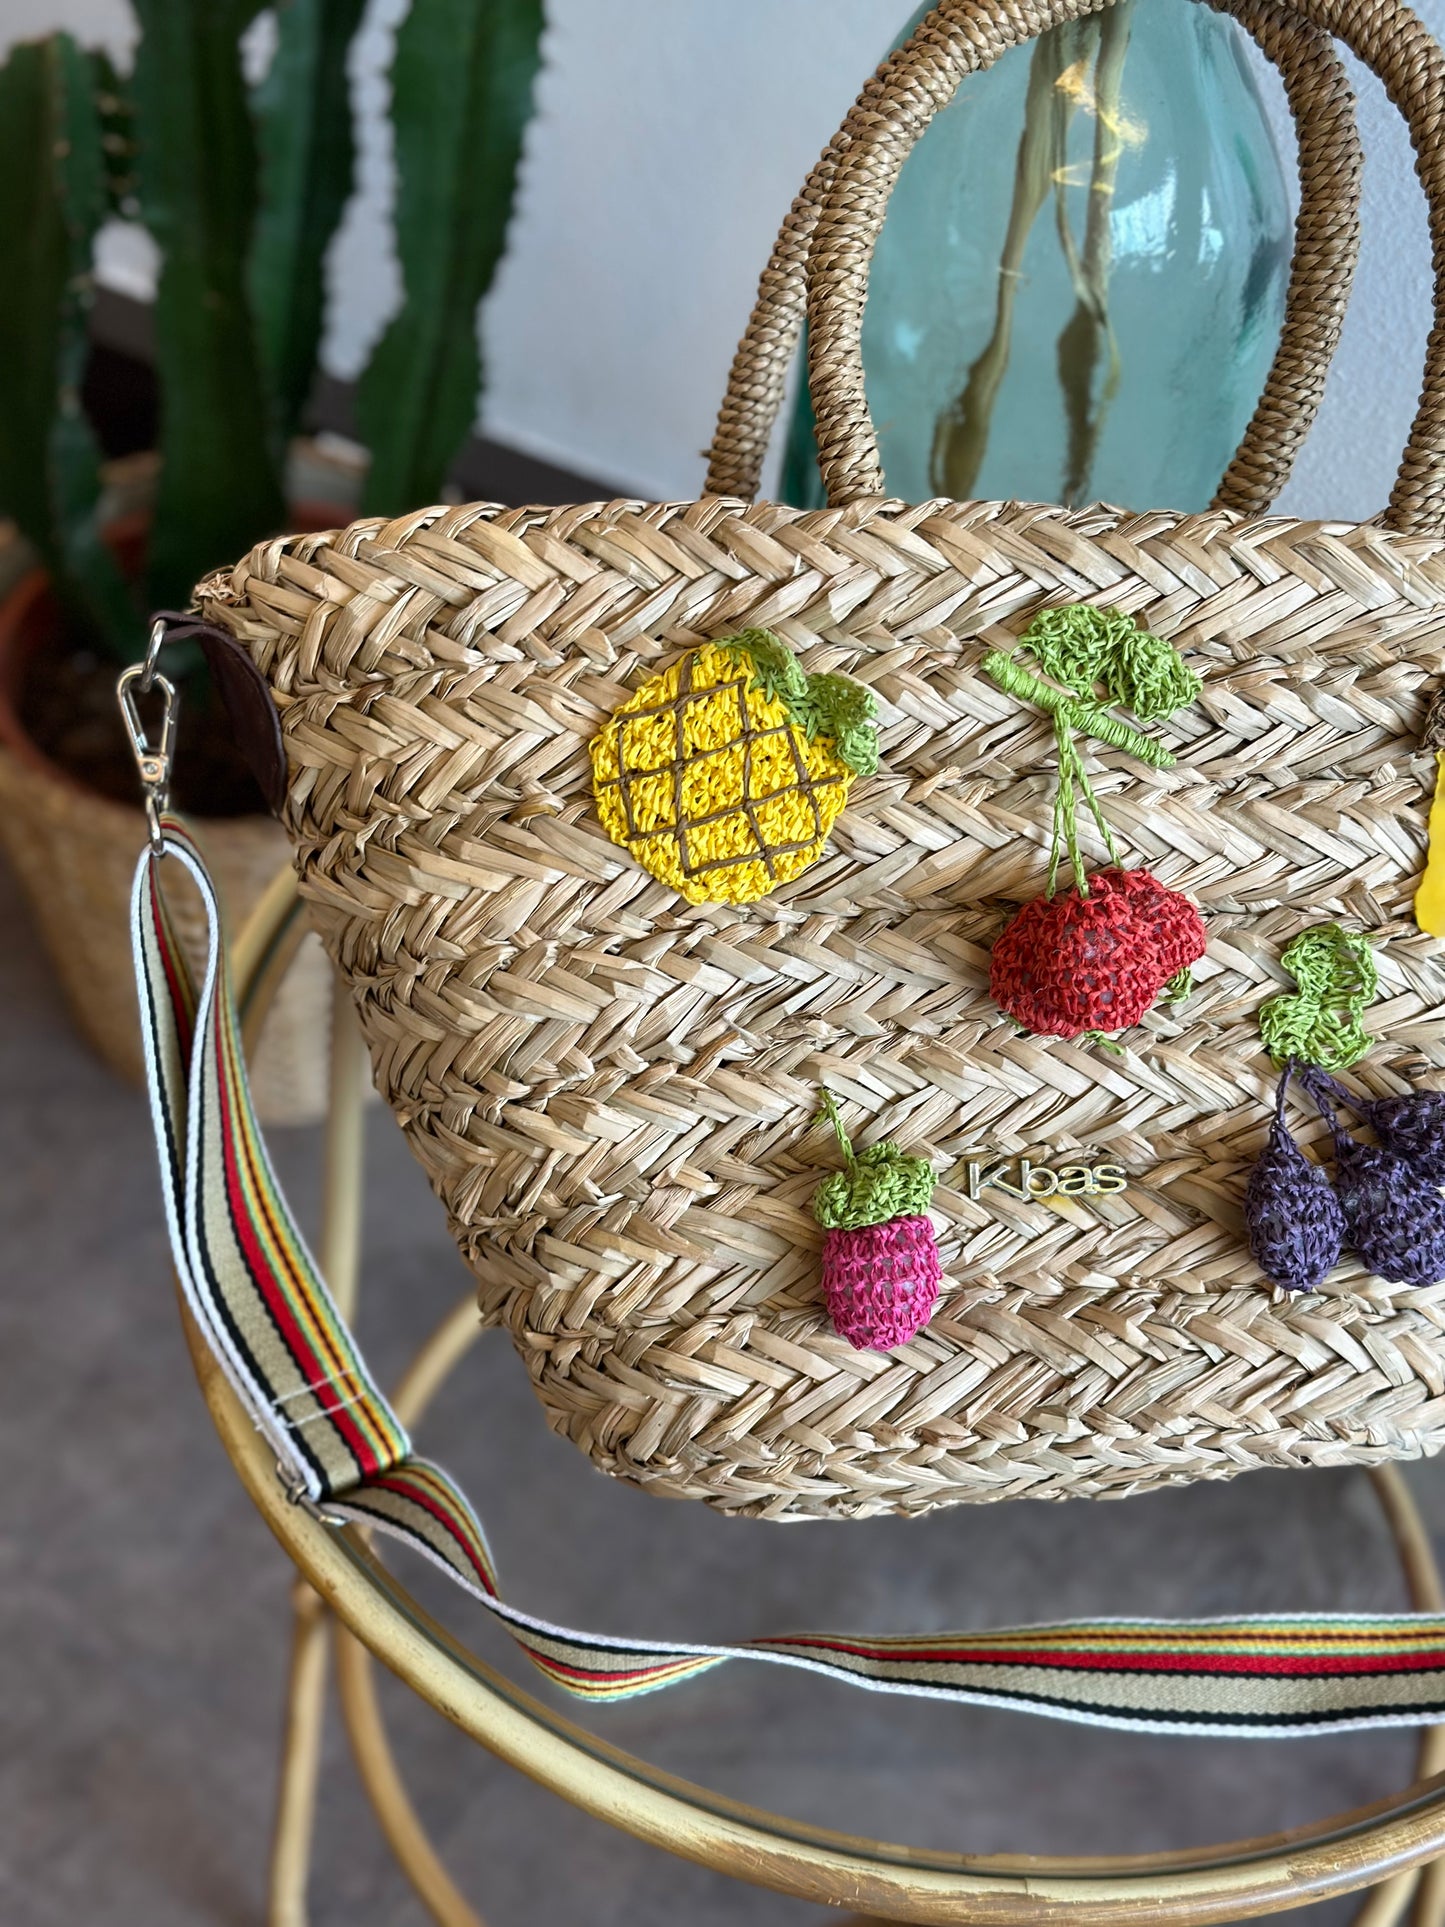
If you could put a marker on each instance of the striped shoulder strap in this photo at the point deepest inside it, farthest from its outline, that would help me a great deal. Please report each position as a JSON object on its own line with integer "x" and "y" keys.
{"x": 266, "y": 1314}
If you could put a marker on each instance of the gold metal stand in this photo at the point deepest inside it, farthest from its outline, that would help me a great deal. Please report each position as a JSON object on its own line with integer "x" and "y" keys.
{"x": 343, "y": 1587}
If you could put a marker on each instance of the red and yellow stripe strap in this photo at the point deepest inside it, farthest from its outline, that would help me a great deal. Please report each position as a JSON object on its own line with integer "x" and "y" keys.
{"x": 268, "y": 1317}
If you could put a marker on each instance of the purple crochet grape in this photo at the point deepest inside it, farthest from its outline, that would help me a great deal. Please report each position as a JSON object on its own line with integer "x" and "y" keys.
{"x": 1396, "y": 1218}
{"x": 1413, "y": 1127}
{"x": 1296, "y": 1226}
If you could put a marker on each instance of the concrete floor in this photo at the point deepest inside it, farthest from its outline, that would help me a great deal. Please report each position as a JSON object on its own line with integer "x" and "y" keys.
{"x": 143, "y": 1606}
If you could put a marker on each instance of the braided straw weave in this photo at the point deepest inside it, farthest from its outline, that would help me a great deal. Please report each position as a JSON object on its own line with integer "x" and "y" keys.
{"x": 611, "y": 1090}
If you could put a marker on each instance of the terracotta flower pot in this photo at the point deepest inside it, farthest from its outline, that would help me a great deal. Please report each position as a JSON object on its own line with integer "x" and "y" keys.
{"x": 74, "y": 852}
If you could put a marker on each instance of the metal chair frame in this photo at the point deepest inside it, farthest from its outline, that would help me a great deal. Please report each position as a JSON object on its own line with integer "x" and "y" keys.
{"x": 346, "y": 1599}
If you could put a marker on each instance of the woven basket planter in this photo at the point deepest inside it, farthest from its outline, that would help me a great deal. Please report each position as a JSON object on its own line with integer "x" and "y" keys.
{"x": 74, "y": 853}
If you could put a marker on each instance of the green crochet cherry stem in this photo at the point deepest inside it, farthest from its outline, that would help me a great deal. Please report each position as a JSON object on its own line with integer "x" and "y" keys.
{"x": 835, "y": 1118}
{"x": 1072, "y": 776}
{"x": 1082, "y": 646}
{"x": 1077, "y": 712}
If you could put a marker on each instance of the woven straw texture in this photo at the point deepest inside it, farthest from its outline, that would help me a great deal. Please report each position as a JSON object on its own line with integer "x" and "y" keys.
{"x": 612, "y": 1090}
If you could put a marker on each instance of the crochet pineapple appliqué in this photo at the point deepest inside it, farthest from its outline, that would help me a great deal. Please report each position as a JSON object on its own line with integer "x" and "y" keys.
{"x": 724, "y": 774}
{"x": 1430, "y": 896}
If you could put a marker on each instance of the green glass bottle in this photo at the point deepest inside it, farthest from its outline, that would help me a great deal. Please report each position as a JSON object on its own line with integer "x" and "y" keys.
{"x": 1079, "y": 286}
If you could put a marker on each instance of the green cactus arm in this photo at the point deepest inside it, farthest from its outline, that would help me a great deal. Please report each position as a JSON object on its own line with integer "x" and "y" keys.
{"x": 52, "y": 201}
{"x": 461, "y": 98}
{"x": 306, "y": 151}
{"x": 220, "y": 488}
{"x": 117, "y": 136}
{"x": 88, "y": 577}
{"x": 36, "y": 261}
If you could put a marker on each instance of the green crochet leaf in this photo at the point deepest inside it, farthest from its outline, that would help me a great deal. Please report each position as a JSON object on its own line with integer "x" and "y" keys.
{"x": 837, "y": 706}
{"x": 1082, "y": 646}
{"x": 822, "y": 705}
{"x": 879, "y": 1185}
{"x": 1320, "y": 1023}
{"x": 874, "y": 1187}
{"x": 776, "y": 670}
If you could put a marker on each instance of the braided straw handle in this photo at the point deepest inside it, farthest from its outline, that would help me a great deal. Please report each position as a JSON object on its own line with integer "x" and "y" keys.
{"x": 962, "y": 36}
{"x": 1325, "y": 251}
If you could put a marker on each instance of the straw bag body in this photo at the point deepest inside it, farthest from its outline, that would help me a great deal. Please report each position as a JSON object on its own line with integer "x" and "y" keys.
{"x": 613, "y": 1091}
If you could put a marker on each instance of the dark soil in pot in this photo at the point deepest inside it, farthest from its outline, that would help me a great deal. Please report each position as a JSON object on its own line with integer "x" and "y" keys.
{"x": 68, "y": 709}
{"x": 58, "y": 702}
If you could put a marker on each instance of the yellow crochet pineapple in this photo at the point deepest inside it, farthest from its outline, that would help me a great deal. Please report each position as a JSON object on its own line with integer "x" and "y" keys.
{"x": 724, "y": 774}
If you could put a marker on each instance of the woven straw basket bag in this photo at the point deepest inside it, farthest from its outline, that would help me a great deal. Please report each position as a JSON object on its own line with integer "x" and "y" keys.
{"x": 615, "y": 1091}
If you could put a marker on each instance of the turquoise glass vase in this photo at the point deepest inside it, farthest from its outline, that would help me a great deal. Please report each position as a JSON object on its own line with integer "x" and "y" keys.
{"x": 1080, "y": 282}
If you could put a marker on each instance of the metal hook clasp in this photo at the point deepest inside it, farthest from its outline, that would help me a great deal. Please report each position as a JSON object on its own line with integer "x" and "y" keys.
{"x": 153, "y": 760}
{"x": 294, "y": 1486}
{"x": 152, "y": 661}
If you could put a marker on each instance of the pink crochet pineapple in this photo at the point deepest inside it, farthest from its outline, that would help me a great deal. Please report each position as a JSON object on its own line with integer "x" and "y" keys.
{"x": 880, "y": 1260}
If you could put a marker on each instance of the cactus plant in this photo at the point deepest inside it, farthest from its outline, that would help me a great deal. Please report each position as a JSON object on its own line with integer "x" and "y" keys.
{"x": 219, "y": 486}
{"x": 306, "y": 150}
{"x": 55, "y": 191}
{"x": 241, "y": 194}
{"x": 462, "y": 97}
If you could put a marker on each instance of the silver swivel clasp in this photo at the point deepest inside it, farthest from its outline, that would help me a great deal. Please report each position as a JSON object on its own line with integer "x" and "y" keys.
{"x": 153, "y": 760}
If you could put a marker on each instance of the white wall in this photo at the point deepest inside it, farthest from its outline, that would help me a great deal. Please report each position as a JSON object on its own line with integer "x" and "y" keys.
{"x": 671, "y": 135}
{"x": 1349, "y": 462}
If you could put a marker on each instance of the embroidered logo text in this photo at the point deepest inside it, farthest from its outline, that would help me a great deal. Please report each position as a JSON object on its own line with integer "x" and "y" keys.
{"x": 1022, "y": 1179}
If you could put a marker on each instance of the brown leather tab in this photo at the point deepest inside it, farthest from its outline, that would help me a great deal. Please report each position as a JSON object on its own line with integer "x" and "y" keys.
{"x": 247, "y": 699}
